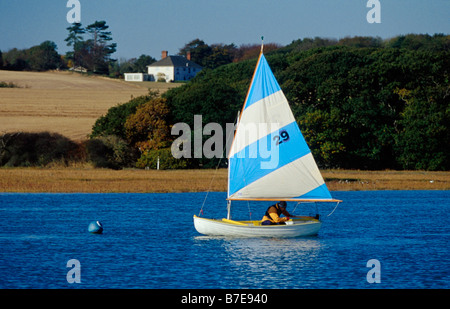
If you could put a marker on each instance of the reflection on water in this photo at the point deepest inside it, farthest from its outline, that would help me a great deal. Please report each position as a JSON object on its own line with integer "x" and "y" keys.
{"x": 268, "y": 262}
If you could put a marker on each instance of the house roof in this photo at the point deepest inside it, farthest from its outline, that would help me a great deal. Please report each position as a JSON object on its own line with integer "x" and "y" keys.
{"x": 175, "y": 61}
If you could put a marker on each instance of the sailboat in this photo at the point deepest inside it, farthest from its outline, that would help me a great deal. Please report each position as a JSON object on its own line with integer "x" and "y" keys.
{"x": 269, "y": 160}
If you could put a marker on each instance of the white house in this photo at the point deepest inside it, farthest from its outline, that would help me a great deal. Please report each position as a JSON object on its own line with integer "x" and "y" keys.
{"x": 136, "y": 77}
{"x": 173, "y": 68}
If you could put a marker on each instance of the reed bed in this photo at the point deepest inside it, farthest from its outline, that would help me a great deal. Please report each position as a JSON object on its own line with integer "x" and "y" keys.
{"x": 355, "y": 180}
{"x": 105, "y": 181}
{"x": 91, "y": 180}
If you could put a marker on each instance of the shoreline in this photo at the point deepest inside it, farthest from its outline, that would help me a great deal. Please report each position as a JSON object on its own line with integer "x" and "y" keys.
{"x": 92, "y": 180}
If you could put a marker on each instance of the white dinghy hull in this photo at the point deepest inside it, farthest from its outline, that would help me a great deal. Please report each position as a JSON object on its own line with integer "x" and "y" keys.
{"x": 224, "y": 227}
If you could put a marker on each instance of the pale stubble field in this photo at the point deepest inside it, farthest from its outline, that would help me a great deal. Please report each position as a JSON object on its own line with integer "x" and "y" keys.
{"x": 62, "y": 102}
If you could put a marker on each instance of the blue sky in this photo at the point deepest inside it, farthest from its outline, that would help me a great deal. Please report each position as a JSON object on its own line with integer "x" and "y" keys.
{"x": 149, "y": 26}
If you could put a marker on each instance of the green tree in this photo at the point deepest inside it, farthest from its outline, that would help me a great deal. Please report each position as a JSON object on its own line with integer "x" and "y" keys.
{"x": 250, "y": 51}
{"x": 95, "y": 53}
{"x": 37, "y": 58}
{"x": 424, "y": 130}
{"x": 150, "y": 159}
{"x": 147, "y": 128}
{"x": 44, "y": 57}
{"x": 16, "y": 60}
{"x": 110, "y": 152}
{"x": 113, "y": 122}
{"x": 347, "y": 80}
{"x": 141, "y": 63}
{"x": 35, "y": 149}
{"x": 361, "y": 41}
{"x": 73, "y": 39}
{"x": 325, "y": 136}
{"x": 100, "y": 47}
{"x": 209, "y": 56}
{"x": 221, "y": 54}
{"x": 199, "y": 50}
{"x": 214, "y": 100}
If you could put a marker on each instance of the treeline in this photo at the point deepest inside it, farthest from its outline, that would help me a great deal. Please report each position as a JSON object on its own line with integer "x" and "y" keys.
{"x": 373, "y": 106}
{"x": 92, "y": 50}
{"x": 215, "y": 55}
{"x": 38, "y": 149}
{"x": 93, "y": 53}
{"x": 361, "y": 103}
{"x": 24, "y": 149}
{"x": 42, "y": 57}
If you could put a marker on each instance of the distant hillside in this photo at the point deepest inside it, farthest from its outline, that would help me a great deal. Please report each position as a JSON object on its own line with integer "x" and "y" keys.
{"x": 65, "y": 103}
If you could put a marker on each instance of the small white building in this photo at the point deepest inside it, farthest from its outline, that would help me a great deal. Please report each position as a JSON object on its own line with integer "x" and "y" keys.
{"x": 173, "y": 68}
{"x": 78, "y": 69}
{"x": 136, "y": 77}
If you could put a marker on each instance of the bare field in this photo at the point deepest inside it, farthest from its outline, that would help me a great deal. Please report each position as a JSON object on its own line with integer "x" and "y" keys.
{"x": 89, "y": 180}
{"x": 62, "y": 102}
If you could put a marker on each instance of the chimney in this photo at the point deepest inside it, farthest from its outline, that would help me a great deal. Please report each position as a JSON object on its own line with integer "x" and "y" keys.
{"x": 188, "y": 55}
{"x": 164, "y": 54}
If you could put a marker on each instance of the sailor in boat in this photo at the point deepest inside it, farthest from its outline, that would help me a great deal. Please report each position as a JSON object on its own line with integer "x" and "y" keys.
{"x": 272, "y": 215}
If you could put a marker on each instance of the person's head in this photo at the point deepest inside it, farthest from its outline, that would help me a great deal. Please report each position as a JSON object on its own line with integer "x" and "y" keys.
{"x": 282, "y": 204}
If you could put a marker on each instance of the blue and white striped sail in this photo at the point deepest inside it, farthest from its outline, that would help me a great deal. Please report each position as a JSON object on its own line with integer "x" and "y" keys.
{"x": 269, "y": 158}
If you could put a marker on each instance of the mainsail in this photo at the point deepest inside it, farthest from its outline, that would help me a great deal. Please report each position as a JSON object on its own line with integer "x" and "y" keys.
{"x": 269, "y": 158}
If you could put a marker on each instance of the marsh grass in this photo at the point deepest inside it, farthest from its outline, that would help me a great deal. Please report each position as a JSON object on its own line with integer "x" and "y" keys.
{"x": 83, "y": 178}
{"x": 345, "y": 180}
{"x": 104, "y": 180}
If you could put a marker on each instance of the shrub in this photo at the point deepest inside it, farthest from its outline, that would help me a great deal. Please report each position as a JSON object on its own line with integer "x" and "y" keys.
{"x": 166, "y": 160}
{"x": 36, "y": 149}
{"x": 110, "y": 152}
{"x": 147, "y": 128}
{"x": 114, "y": 120}
{"x": 8, "y": 85}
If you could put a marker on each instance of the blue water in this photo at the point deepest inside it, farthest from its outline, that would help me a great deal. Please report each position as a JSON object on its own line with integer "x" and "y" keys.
{"x": 149, "y": 242}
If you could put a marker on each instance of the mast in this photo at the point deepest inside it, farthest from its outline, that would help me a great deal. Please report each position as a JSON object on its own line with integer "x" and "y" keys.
{"x": 262, "y": 44}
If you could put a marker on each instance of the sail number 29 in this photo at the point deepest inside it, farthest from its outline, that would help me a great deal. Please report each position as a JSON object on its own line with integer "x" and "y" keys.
{"x": 282, "y": 138}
